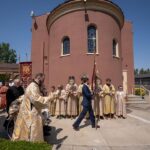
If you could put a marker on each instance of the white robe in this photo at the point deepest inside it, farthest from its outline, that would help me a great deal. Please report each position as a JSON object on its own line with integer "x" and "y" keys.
{"x": 120, "y": 103}
{"x": 61, "y": 103}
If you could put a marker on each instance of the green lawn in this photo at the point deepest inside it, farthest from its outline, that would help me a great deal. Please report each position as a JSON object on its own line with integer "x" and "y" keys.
{"x": 22, "y": 145}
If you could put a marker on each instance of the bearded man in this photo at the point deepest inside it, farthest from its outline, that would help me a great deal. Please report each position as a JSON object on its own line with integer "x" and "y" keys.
{"x": 29, "y": 125}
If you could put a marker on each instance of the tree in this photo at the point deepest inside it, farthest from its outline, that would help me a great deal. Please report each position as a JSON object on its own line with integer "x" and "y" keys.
{"x": 7, "y": 55}
{"x": 136, "y": 71}
{"x": 4, "y": 77}
{"x": 142, "y": 71}
{"x": 148, "y": 71}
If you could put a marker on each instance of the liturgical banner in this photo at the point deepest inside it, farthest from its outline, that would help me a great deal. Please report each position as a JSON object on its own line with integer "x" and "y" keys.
{"x": 26, "y": 73}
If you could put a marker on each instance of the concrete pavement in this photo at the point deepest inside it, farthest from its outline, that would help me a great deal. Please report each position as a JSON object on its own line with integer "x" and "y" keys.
{"x": 132, "y": 133}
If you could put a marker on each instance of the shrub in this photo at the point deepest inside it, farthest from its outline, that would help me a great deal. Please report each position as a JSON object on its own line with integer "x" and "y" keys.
{"x": 23, "y": 145}
{"x": 140, "y": 91}
{"x": 4, "y": 77}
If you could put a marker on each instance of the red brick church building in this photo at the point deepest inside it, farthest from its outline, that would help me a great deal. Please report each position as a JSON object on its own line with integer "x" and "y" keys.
{"x": 65, "y": 39}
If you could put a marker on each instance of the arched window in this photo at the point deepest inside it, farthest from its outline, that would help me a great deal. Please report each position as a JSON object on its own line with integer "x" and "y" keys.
{"x": 115, "y": 48}
{"x": 92, "y": 39}
{"x": 66, "y": 46}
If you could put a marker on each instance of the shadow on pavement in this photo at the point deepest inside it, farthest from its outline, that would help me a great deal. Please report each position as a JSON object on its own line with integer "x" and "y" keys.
{"x": 52, "y": 139}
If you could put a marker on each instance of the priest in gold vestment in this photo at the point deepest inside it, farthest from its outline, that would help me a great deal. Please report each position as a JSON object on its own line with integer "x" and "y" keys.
{"x": 29, "y": 125}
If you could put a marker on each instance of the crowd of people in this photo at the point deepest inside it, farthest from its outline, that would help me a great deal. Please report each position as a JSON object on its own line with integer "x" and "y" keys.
{"x": 107, "y": 102}
{"x": 9, "y": 92}
{"x": 70, "y": 101}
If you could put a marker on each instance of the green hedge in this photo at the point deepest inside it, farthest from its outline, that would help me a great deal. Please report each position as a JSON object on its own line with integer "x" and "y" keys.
{"x": 22, "y": 145}
{"x": 4, "y": 77}
{"x": 140, "y": 91}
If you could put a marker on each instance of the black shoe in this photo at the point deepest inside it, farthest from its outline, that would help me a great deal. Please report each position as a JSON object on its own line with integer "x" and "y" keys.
{"x": 75, "y": 128}
{"x": 101, "y": 117}
{"x": 124, "y": 117}
{"x": 97, "y": 126}
{"x": 58, "y": 117}
{"x": 112, "y": 116}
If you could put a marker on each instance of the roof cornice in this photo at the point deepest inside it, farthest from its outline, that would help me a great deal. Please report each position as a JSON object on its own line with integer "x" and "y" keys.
{"x": 78, "y": 5}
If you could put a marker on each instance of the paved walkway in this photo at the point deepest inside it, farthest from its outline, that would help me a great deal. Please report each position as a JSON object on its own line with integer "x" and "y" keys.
{"x": 132, "y": 133}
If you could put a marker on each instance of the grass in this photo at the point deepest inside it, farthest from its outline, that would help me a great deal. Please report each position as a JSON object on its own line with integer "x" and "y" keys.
{"x": 23, "y": 145}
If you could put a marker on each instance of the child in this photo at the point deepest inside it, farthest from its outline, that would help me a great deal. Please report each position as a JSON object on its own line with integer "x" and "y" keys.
{"x": 120, "y": 103}
{"x": 72, "y": 97}
{"x": 98, "y": 100}
{"x": 53, "y": 100}
{"x": 61, "y": 102}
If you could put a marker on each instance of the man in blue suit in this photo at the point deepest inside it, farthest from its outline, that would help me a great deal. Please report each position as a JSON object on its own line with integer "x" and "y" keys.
{"x": 87, "y": 105}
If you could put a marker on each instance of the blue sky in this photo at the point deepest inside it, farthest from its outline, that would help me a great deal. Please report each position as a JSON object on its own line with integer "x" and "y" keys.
{"x": 15, "y": 24}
